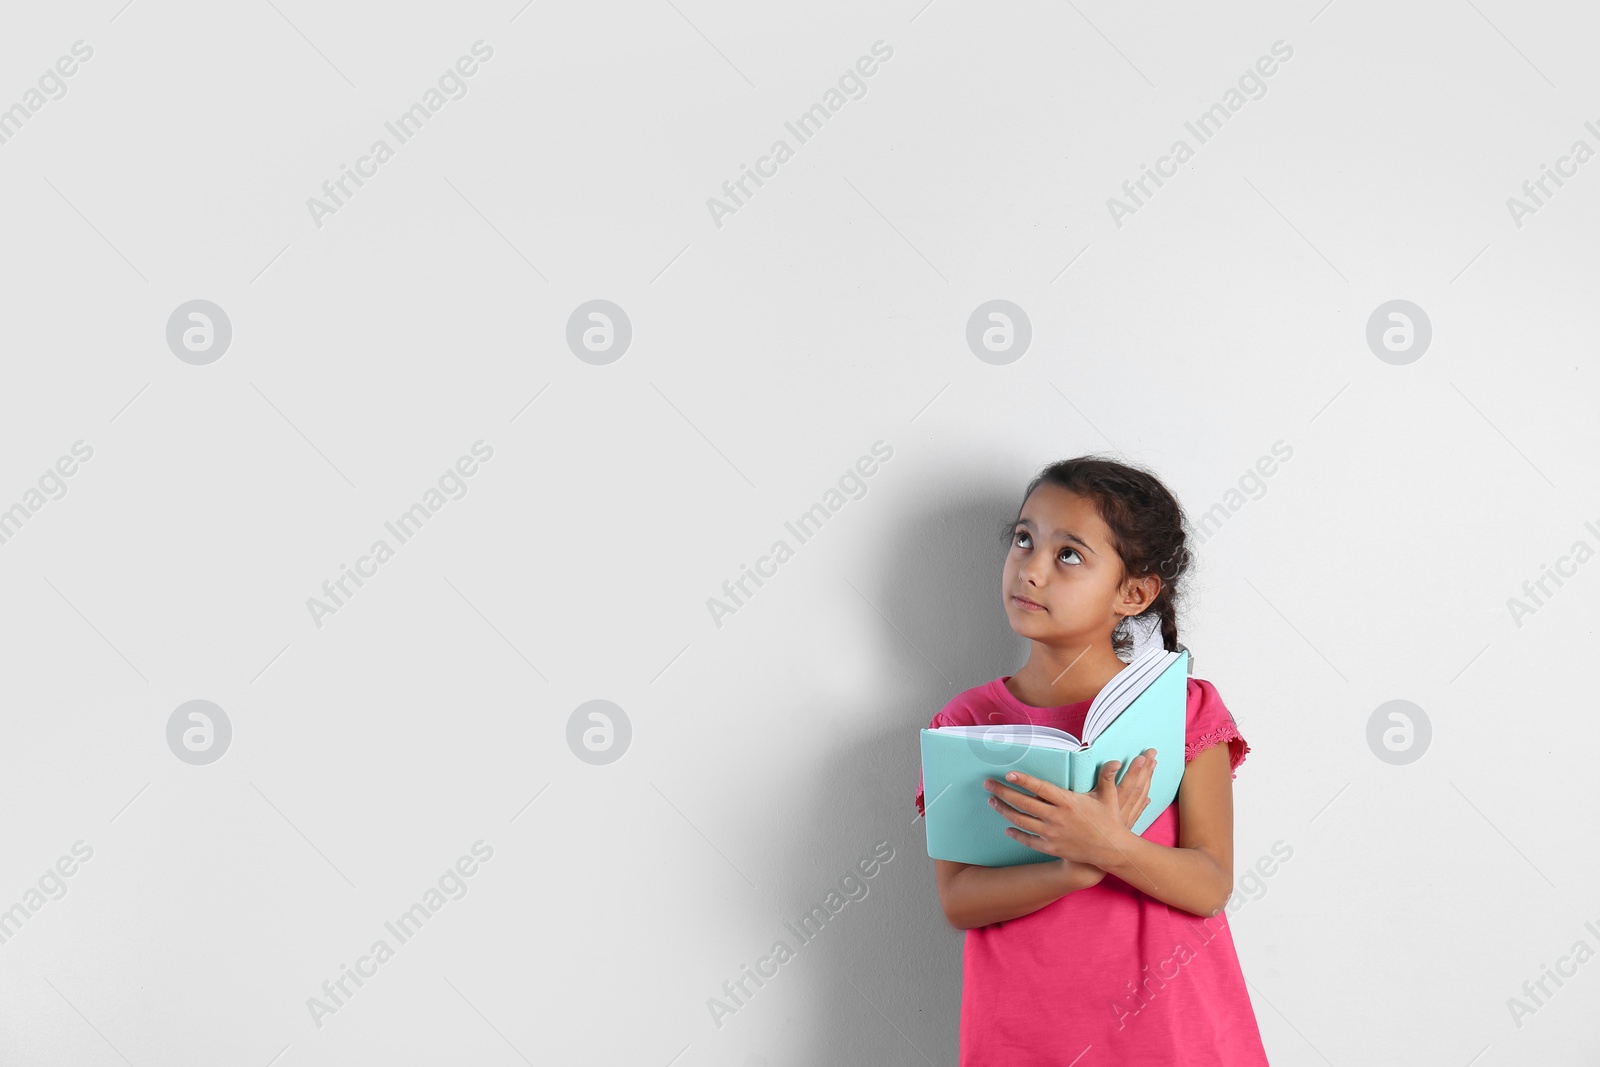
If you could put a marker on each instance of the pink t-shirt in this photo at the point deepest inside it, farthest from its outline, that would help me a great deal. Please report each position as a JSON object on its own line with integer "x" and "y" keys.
{"x": 1106, "y": 975}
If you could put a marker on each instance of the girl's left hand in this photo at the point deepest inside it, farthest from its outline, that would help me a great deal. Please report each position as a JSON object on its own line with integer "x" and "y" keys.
{"x": 1078, "y": 827}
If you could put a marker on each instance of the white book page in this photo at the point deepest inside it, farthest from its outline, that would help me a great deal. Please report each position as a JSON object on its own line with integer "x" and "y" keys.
{"x": 1123, "y": 688}
{"x": 1019, "y": 733}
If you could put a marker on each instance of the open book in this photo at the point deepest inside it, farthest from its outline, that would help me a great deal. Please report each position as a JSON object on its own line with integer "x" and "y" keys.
{"x": 1144, "y": 706}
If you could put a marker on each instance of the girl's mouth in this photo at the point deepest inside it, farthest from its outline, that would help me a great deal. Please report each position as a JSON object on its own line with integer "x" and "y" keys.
{"x": 1025, "y": 604}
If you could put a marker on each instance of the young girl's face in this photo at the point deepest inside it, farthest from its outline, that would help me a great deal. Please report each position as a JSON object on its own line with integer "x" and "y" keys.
{"x": 1061, "y": 559}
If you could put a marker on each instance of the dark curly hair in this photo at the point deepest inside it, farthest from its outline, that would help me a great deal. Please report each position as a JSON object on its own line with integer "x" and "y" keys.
{"x": 1147, "y": 524}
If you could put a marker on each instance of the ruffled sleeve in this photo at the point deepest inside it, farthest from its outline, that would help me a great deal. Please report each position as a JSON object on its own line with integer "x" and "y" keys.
{"x": 933, "y": 724}
{"x": 1210, "y": 723}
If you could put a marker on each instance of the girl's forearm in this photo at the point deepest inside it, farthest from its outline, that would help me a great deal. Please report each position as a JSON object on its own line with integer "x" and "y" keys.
{"x": 978, "y": 896}
{"x": 1185, "y": 878}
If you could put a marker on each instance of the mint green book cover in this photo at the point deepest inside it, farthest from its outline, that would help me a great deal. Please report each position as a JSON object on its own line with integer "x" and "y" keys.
{"x": 962, "y": 827}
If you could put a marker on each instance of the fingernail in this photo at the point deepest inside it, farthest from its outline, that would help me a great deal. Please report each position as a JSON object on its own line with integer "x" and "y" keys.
{"x": 1011, "y": 777}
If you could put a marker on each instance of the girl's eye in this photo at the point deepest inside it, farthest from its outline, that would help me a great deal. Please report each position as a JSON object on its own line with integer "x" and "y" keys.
{"x": 1020, "y": 539}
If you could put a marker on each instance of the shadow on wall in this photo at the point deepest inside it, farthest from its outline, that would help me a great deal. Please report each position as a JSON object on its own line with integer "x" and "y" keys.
{"x": 887, "y": 965}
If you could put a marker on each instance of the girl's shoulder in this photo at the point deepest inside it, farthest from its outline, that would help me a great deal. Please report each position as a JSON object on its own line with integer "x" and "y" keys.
{"x": 970, "y": 707}
{"x": 1211, "y": 723}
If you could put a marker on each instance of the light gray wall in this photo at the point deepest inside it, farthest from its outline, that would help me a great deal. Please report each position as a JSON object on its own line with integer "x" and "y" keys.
{"x": 771, "y": 347}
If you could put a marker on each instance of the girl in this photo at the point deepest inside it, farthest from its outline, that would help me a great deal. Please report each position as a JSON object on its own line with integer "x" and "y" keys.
{"x": 1117, "y": 950}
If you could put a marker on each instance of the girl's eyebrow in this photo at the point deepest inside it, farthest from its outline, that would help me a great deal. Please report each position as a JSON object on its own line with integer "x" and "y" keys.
{"x": 1065, "y": 535}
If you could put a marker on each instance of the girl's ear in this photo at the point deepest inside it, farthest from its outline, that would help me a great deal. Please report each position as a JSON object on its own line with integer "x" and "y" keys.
{"x": 1140, "y": 593}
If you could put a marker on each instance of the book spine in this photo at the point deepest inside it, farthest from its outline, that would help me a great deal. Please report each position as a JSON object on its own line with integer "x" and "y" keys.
{"x": 1080, "y": 771}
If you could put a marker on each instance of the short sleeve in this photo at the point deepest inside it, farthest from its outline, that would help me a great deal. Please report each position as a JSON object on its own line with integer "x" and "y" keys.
{"x": 1210, "y": 723}
{"x": 933, "y": 724}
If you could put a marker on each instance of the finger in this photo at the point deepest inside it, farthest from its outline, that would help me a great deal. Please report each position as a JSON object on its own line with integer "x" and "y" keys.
{"x": 1017, "y": 799}
{"x": 1022, "y": 819}
{"x": 1038, "y": 786}
{"x": 1134, "y": 789}
{"x": 1137, "y": 765}
{"x": 1140, "y": 764}
{"x": 1128, "y": 789}
{"x": 1027, "y": 839}
{"x": 1106, "y": 789}
{"x": 1146, "y": 773}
